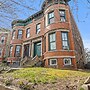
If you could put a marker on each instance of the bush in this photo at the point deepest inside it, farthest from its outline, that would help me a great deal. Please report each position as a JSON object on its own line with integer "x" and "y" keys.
{"x": 8, "y": 82}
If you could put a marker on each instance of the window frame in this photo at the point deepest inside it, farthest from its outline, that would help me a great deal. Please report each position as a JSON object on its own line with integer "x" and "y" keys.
{"x": 38, "y": 29}
{"x": 62, "y": 16}
{"x": 51, "y": 17}
{"x": 50, "y": 62}
{"x": 16, "y": 55}
{"x": 27, "y": 33}
{"x": 65, "y": 41}
{"x": 20, "y": 37}
{"x": 50, "y": 42}
{"x": 69, "y": 64}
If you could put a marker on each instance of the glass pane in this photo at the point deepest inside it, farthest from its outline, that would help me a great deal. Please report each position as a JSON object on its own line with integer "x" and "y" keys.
{"x": 51, "y": 20}
{"x": 52, "y": 37}
{"x": 62, "y": 13}
{"x": 18, "y": 48}
{"x": 53, "y": 62}
{"x": 64, "y": 36}
{"x": 28, "y": 33}
{"x": 65, "y": 43}
{"x": 38, "y": 26}
{"x": 51, "y": 14}
{"x": 62, "y": 19}
{"x": 52, "y": 46}
{"x": 67, "y": 61}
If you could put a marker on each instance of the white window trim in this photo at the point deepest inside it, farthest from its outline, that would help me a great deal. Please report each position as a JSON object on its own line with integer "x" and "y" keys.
{"x": 51, "y": 62}
{"x": 69, "y": 63}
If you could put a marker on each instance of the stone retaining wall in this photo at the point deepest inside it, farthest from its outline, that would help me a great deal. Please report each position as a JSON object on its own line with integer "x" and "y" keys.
{"x": 4, "y": 88}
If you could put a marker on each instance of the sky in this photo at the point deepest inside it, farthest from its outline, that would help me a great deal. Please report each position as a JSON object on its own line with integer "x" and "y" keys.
{"x": 80, "y": 10}
{"x": 82, "y": 18}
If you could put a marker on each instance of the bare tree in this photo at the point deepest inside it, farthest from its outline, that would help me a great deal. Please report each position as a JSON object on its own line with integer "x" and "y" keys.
{"x": 11, "y": 9}
{"x": 14, "y": 9}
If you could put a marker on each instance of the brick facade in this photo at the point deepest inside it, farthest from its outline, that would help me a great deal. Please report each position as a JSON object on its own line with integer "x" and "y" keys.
{"x": 4, "y": 43}
{"x": 62, "y": 26}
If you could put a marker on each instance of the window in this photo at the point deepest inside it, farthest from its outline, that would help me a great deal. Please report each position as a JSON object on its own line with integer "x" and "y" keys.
{"x": 2, "y": 40}
{"x": 62, "y": 15}
{"x": 18, "y": 49}
{"x": 19, "y": 34}
{"x": 67, "y": 61}
{"x": 13, "y": 35}
{"x": 51, "y": 18}
{"x": 38, "y": 28}
{"x": 52, "y": 41}
{"x": 0, "y": 52}
{"x": 11, "y": 49}
{"x": 28, "y": 33}
{"x": 53, "y": 61}
{"x": 65, "y": 43}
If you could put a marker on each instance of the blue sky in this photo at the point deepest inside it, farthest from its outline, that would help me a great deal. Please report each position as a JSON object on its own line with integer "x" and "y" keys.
{"x": 82, "y": 18}
{"x": 80, "y": 10}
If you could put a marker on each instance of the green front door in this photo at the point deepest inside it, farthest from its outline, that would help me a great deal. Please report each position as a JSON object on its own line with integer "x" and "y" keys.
{"x": 37, "y": 49}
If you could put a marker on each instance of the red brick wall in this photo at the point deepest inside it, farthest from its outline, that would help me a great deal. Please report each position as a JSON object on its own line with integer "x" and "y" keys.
{"x": 56, "y": 27}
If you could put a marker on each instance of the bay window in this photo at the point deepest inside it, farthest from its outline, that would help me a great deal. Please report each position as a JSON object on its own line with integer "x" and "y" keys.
{"x": 52, "y": 41}
{"x": 51, "y": 18}
{"x": 65, "y": 43}
{"x": 62, "y": 15}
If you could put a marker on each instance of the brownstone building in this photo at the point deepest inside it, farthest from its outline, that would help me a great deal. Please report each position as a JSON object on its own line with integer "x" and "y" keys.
{"x": 51, "y": 34}
{"x": 4, "y": 43}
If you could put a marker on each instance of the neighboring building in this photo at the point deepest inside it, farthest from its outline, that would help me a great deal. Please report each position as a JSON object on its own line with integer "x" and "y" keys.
{"x": 4, "y": 43}
{"x": 88, "y": 57}
{"x": 50, "y": 33}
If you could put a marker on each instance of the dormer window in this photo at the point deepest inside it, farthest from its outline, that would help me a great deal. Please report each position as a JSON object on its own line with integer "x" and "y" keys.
{"x": 2, "y": 39}
{"x": 38, "y": 29}
{"x": 51, "y": 17}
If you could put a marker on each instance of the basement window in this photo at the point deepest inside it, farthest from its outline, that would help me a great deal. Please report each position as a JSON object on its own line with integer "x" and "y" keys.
{"x": 53, "y": 62}
{"x": 67, "y": 61}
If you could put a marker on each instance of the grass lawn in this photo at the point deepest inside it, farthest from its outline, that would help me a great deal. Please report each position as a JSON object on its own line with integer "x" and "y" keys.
{"x": 43, "y": 75}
